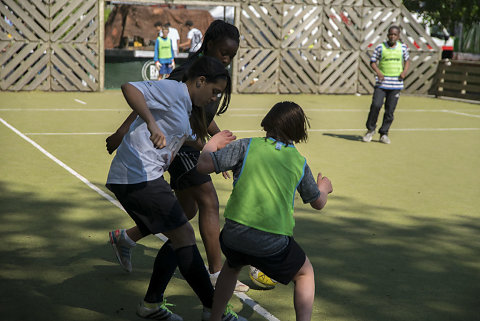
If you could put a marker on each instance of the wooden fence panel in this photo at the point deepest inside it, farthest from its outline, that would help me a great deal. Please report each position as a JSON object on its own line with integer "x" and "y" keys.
{"x": 332, "y": 38}
{"x": 287, "y": 46}
{"x": 299, "y": 71}
{"x": 338, "y": 72}
{"x": 422, "y": 71}
{"x": 366, "y": 76}
{"x": 457, "y": 79}
{"x": 260, "y": 70}
{"x": 50, "y": 45}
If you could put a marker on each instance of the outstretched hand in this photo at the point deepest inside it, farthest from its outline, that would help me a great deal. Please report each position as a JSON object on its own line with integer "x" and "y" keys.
{"x": 222, "y": 139}
{"x": 324, "y": 184}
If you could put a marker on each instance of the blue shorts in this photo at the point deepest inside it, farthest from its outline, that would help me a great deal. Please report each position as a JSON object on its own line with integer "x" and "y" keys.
{"x": 165, "y": 69}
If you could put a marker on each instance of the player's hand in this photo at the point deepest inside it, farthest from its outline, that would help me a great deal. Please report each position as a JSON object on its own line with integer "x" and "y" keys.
{"x": 380, "y": 76}
{"x": 402, "y": 75}
{"x": 324, "y": 184}
{"x": 222, "y": 139}
{"x": 113, "y": 141}
{"x": 156, "y": 136}
{"x": 157, "y": 65}
{"x": 225, "y": 175}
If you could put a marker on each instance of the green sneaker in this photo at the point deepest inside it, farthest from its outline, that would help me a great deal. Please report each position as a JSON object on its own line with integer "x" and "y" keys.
{"x": 160, "y": 312}
{"x": 228, "y": 315}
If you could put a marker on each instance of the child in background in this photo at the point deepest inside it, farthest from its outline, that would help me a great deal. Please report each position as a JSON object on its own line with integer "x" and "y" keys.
{"x": 194, "y": 39}
{"x": 136, "y": 176}
{"x": 259, "y": 219}
{"x": 163, "y": 54}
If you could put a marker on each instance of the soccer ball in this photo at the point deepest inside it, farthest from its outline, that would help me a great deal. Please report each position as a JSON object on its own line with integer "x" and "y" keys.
{"x": 260, "y": 279}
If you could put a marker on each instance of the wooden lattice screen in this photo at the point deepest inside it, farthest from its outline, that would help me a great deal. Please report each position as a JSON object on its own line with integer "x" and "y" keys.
{"x": 50, "y": 45}
{"x": 287, "y": 46}
{"x": 324, "y": 46}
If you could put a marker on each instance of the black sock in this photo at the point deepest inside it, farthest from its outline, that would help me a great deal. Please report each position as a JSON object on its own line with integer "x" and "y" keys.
{"x": 192, "y": 267}
{"x": 163, "y": 269}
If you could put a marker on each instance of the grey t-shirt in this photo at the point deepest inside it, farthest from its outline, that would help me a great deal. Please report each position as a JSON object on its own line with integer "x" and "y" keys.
{"x": 231, "y": 158}
{"x": 137, "y": 160}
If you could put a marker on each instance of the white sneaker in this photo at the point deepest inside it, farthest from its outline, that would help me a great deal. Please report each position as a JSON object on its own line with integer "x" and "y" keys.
{"x": 368, "y": 136}
{"x": 239, "y": 287}
{"x": 123, "y": 251}
{"x": 161, "y": 312}
{"x": 384, "y": 139}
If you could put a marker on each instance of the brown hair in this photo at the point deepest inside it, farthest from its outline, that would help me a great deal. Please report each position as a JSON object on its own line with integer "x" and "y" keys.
{"x": 286, "y": 122}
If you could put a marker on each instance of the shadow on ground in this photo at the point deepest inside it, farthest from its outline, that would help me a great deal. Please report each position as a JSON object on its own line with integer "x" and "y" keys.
{"x": 375, "y": 263}
{"x": 357, "y": 138}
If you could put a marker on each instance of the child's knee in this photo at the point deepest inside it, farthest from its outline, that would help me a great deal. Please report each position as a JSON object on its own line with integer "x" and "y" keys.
{"x": 305, "y": 271}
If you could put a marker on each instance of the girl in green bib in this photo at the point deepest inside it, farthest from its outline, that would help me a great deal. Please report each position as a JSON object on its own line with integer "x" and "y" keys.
{"x": 259, "y": 219}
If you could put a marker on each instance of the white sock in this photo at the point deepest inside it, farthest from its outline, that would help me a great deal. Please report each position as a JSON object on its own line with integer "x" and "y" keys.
{"x": 216, "y": 274}
{"x": 130, "y": 242}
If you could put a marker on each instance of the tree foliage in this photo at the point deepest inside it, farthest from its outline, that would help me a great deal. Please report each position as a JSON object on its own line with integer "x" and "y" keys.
{"x": 447, "y": 12}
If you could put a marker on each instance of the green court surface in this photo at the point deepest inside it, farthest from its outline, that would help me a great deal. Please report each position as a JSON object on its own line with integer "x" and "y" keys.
{"x": 398, "y": 240}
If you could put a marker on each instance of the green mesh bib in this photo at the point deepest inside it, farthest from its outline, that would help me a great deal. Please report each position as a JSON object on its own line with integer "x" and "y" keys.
{"x": 263, "y": 195}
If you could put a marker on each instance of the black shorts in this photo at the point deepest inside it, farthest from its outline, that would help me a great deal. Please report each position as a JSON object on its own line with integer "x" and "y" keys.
{"x": 183, "y": 170}
{"x": 281, "y": 267}
{"x": 152, "y": 205}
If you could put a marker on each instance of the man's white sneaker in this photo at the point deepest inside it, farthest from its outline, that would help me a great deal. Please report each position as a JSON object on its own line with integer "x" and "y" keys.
{"x": 368, "y": 136}
{"x": 160, "y": 312}
{"x": 384, "y": 139}
{"x": 123, "y": 251}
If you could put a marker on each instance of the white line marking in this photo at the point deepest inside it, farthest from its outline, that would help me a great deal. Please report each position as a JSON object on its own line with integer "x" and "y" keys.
{"x": 63, "y": 109}
{"x": 79, "y": 101}
{"x": 260, "y": 130}
{"x": 463, "y": 114}
{"x": 339, "y": 109}
{"x": 256, "y": 307}
{"x": 363, "y": 129}
{"x": 62, "y": 164}
{"x": 243, "y": 297}
{"x": 359, "y": 110}
{"x": 65, "y": 134}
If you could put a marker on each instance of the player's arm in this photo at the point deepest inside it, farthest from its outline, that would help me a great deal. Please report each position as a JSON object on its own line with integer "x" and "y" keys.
{"x": 136, "y": 101}
{"x": 375, "y": 68}
{"x": 405, "y": 69}
{"x": 156, "y": 58}
{"x": 213, "y": 128}
{"x": 325, "y": 188}
{"x": 114, "y": 140}
{"x": 205, "y": 163}
{"x": 186, "y": 44}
